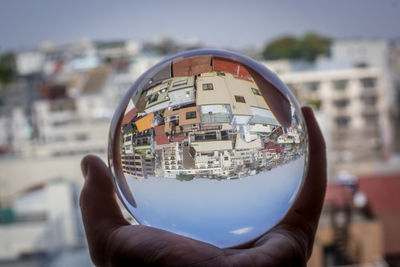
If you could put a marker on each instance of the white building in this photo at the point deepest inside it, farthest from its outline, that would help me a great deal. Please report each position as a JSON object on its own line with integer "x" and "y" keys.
{"x": 63, "y": 132}
{"x": 118, "y": 49}
{"x": 30, "y": 62}
{"x": 224, "y": 98}
{"x": 367, "y": 52}
{"x": 354, "y": 105}
{"x": 170, "y": 93}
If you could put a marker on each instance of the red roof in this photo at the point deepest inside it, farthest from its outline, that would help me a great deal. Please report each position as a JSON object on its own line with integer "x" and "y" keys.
{"x": 229, "y": 66}
{"x": 53, "y": 91}
{"x": 178, "y": 138}
{"x": 161, "y": 139}
{"x": 191, "y": 66}
{"x": 275, "y": 148}
{"x": 160, "y": 136}
{"x": 159, "y": 130}
{"x": 383, "y": 194}
{"x": 128, "y": 117}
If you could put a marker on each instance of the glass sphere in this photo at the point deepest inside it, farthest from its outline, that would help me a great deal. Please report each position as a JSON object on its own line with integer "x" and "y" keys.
{"x": 208, "y": 144}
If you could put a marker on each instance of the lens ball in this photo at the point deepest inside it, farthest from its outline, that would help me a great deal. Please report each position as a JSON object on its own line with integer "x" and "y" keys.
{"x": 208, "y": 144}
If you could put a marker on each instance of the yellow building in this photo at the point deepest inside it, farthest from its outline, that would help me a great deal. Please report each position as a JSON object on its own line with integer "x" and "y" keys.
{"x": 223, "y": 98}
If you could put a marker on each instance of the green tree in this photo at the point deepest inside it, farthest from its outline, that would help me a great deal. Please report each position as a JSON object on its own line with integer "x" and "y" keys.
{"x": 308, "y": 47}
{"x": 163, "y": 47}
{"x": 7, "y": 67}
{"x": 283, "y": 47}
{"x": 184, "y": 177}
{"x": 313, "y": 45}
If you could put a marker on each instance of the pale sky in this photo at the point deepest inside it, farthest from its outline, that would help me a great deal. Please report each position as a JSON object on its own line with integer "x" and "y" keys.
{"x": 230, "y": 24}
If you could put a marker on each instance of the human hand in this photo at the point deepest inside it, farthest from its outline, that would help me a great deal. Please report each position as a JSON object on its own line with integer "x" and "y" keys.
{"x": 115, "y": 242}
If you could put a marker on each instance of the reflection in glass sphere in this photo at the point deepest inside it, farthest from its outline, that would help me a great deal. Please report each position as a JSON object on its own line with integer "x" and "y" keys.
{"x": 208, "y": 144}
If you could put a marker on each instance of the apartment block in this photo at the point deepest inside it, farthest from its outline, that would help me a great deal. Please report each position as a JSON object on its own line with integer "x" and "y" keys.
{"x": 353, "y": 103}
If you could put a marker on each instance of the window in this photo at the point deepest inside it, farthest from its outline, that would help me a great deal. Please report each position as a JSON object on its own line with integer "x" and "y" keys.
{"x": 59, "y": 138}
{"x": 221, "y": 73}
{"x": 173, "y": 118}
{"x": 206, "y": 136}
{"x": 153, "y": 98}
{"x": 81, "y": 137}
{"x": 208, "y": 86}
{"x": 340, "y": 85}
{"x": 369, "y": 99}
{"x": 240, "y": 99}
{"x": 368, "y": 82}
{"x": 190, "y": 115}
{"x": 342, "y": 121}
{"x": 226, "y": 158}
{"x": 312, "y": 86}
{"x": 372, "y": 119}
{"x": 255, "y": 91}
{"x": 128, "y": 138}
{"x": 178, "y": 83}
{"x": 341, "y": 103}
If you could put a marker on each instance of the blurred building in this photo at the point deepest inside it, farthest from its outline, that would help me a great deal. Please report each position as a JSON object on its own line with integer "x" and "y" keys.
{"x": 278, "y": 66}
{"x": 367, "y": 53}
{"x": 353, "y": 103}
{"x": 383, "y": 201}
{"x": 59, "y": 108}
{"x": 384, "y": 55}
{"x": 395, "y": 67}
{"x": 43, "y": 219}
{"x": 359, "y": 222}
{"x": 73, "y": 119}
{"x": 347, "y": 234}
{"x": 112, "y": 50}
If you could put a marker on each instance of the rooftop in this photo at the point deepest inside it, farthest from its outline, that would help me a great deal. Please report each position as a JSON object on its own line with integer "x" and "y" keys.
{"x": 129, "y": 116}
{"x": 145, "y": 122}
{"x": 96, "y": 79}
{"x": 191, "y": 66}
{"x": 383, "y": 196}
{"x": 214, "y": 88}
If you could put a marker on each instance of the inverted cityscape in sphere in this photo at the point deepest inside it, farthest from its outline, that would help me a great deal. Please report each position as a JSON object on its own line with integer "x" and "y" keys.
{"x": 211, "y": 145}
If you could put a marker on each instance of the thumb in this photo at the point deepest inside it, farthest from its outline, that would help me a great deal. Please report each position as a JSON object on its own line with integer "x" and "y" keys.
{"x": 100, "y": 211}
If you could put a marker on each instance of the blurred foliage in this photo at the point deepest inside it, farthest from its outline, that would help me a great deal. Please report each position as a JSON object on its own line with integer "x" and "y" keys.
{"x": 315, "y": 103}
{"x": 162, "y": 47}
{"x": 168, "y": 46}
{"x": 110, "y": 44}
{"x": 307, "y": 47}
{"x": 7, "y": 67}
{"x": 184, "y": 177}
